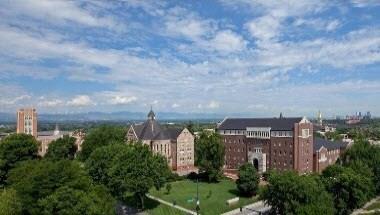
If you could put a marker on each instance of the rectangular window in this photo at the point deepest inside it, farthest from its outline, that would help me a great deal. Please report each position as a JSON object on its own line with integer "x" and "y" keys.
{"x": 305, "y": 133}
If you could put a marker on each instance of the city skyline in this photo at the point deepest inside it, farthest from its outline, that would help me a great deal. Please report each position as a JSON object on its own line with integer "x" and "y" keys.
{"x": 254, "y": 57}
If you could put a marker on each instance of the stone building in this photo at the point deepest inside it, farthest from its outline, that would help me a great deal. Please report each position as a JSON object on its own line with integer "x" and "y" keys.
{"x": 27, "y": 121}
{"x": 326, "y": 153}
{"x": 268, "y": 143}
{"x": 46, "y": 137}
{"x": 176, "y": 145}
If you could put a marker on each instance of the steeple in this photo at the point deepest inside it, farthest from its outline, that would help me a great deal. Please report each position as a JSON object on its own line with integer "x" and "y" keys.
{"x": 151, "y": 114}
{"x": 56, "y": 130}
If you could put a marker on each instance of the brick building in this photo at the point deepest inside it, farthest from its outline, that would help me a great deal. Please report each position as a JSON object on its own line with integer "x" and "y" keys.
{"x": 326, "y": 153}
{"x": 268, "y": 143}
{"x": 176, "y": 145}
{"x": 27, "y": 121}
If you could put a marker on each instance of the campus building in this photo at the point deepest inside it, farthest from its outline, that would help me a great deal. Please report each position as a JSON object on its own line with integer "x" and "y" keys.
{"x": 175, "y": 144}
{"x": 326, "y": 153}
{"x": 27, "y": 121}
{"x": 268, "y": 143}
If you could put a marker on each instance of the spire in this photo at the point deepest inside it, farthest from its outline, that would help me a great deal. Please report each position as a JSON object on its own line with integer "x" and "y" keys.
{"x": 151, "y": 114}
{"x": 281, "y": 116}
{"x": 56, "y": 130}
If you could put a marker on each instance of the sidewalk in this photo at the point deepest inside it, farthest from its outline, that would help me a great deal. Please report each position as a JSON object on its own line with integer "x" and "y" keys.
{"x": 363, "y": 211}
{"x": 249, "y": 209}
{"x": 187, "y": 211}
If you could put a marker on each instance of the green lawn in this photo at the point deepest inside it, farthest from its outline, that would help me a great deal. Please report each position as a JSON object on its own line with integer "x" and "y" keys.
{"x": 213, "y": 196}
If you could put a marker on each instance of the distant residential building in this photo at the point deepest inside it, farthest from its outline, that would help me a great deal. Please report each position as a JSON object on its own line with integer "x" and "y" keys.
{"x": 27, "y": 121}
{"x": 326, "y": 153}
{"x": 268, "y": 143}
{"x": 175, "y": 144}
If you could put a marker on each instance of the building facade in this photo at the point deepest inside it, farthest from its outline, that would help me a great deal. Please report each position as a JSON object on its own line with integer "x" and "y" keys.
{"x": 47, "y": 137}
{"x": 176, "y": 145}
{"x": 268, "y": 143}
{"x": 27, "y": 121}
{"x": 326, "y": 153}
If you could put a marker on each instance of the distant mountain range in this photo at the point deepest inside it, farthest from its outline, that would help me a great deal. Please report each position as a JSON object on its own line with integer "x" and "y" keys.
{"x": 118, "y": 116}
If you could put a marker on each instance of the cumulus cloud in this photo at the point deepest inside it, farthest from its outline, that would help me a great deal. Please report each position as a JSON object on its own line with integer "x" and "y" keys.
{"x": 122, "y": 100}
{"x": 80, "y": 101}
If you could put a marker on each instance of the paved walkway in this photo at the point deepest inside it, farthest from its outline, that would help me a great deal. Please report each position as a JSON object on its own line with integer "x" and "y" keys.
{"x": 187, "y": 211}
{"x": 253, "y": 208}
{"x": 364, "y": 211}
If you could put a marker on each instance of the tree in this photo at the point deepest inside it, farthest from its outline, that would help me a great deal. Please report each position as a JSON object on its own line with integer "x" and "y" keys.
{"x": 210, "y": 155}
{"x": 9, "y": 202}
{"x": 36, "y": 180}
{"x": 289, "y": 193}
{"x": 137, "y": 170}
{"x": 368, "y": 155}
{"x": 69, "y": 201}
{"x": 101, "y": 160}
{"x": 350, "y": 190}
{"x": 101, "y": 136}
{"x": 16, "y": 148}
{"x": 168, "y": 188}
{"x": 62, "y": 148}
{"x": 248, "y": 181}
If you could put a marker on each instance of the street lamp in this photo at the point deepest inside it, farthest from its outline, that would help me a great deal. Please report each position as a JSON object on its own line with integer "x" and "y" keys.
{"x": 197, "y": 208}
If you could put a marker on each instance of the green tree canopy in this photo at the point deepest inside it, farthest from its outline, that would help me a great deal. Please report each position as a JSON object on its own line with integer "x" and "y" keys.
{"x": 9, "y": 202}
{"x": 68, "y": 201}
{"x": 349, "y": 189}
{"x": 289, "y": 193}
{"x": 248, "y": 181}
{"x": 368, "y": 155}
{"x": 16, "y": 148}
{"x": 36, "y": 180}
{"x": 62, "y": 148}
{"x": 101, "y": 136}
{"x": 136, "y": 170}
{"x": 101, "y": 160}
{"x": 210, "y": 155}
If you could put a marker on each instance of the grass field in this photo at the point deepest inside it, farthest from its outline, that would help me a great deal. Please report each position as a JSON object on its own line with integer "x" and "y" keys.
{"x": 213, "y": 196}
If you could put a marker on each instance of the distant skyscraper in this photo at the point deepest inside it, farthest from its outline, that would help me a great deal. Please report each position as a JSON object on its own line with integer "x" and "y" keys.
{"x": 27, "y": 121}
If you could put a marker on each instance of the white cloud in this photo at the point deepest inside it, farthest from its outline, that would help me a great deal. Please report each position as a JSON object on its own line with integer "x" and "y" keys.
{"x": 51, "y": 103}
{"x": 122, "y": 100}
{"x": 213, "y": 105}
{"x": 175, "y": 105}
{"x": 228, "y": 41}
{"x": 365, "y": 3}
{"x": 57, "y": 11}
{"x": 80, "y": 100}
{"x": 265, "y": 27}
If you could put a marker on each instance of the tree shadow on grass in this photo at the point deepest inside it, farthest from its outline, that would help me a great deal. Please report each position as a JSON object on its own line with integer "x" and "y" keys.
{"x": 132, "y": 201}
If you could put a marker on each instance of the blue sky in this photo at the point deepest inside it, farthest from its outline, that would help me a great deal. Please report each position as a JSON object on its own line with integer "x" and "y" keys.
{"x": 259, "y": 57}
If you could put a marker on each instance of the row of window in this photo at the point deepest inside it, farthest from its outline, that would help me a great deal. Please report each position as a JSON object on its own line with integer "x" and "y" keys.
{"x": 259, "y": 133}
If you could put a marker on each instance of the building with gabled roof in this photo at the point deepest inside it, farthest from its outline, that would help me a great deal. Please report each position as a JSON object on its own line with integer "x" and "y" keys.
{"x": 175, "y": 144}
{"x": 326, "y": 153}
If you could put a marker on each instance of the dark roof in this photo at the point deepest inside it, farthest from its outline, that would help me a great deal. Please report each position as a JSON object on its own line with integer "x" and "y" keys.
{"x": 152, "y": 130}
{"x": 173, "y": 133}
{"x": 329, "y": 145}
{"x": 279, "y": 124}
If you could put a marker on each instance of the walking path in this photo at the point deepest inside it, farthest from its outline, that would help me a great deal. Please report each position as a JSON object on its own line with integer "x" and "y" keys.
{"x": 363, "y": 210}
{"x": 253, "y": 208}
{"x": 171, "y": 205}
